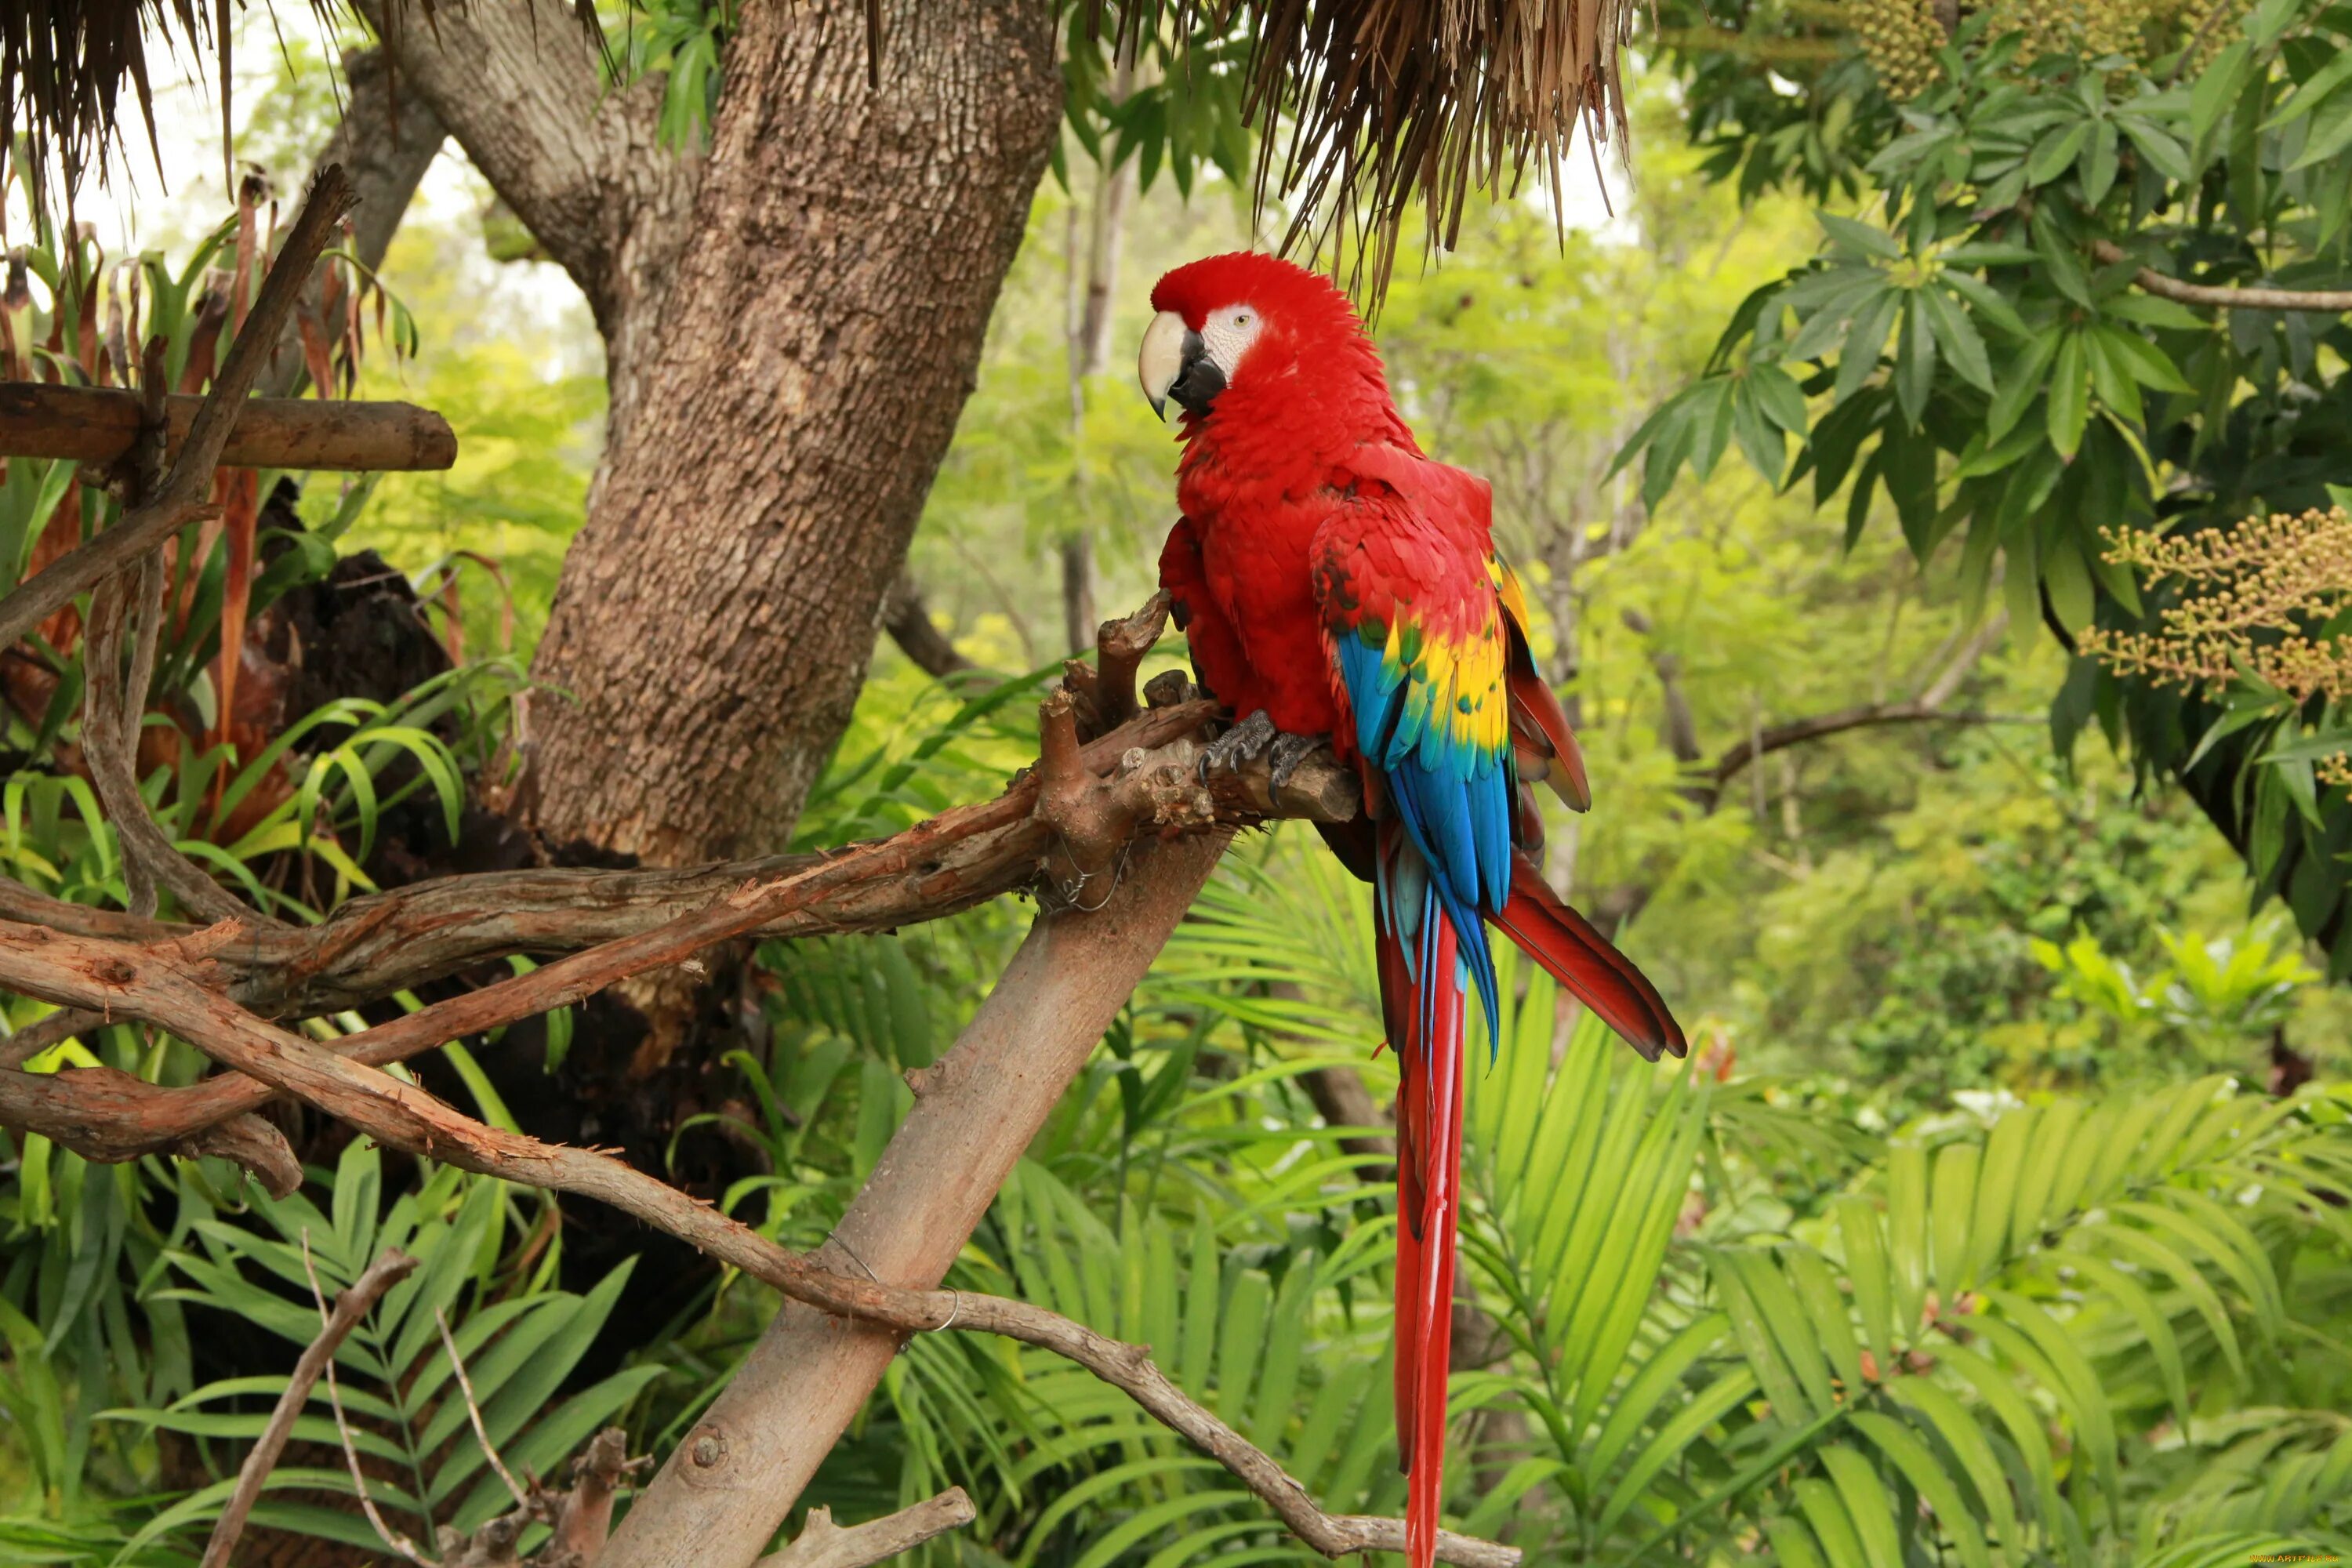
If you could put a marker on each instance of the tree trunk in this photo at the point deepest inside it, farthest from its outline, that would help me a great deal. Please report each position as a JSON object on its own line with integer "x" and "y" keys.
{"x": 822, "y": 330}
{"x": 730, "y": 1481}
{"x": 793, "y": 321}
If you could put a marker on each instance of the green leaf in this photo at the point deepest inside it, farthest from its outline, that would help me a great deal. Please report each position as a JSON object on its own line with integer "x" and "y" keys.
{"x": 1868, "y": 1504}
{"x": 1944, "y": 1414}
{"x": 1919, "y": 1466}
{"x": 2020, "y": 384}
{"x": 2164, "y": 153}
{"x": 1957, "y": 335}
{"x": 2331, "y": 134}
{"x": 2099, "y": 166}
{"x": 2111, "y": 375}
{"x": 1850, "y": 237}
{"x": 2070, "y": 395}
{"x": 1859, "y": 355}
{"x": 1778, "y": 395}
{"x": 2142, "y": 360}
{"x": 2056, "y": 152}
{"x": 1915, "y": 361}
{"x": 2311, "y": 93}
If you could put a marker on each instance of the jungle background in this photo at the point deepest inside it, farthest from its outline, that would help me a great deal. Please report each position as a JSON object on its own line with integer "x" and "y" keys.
{"x": 1998, "y": 1215}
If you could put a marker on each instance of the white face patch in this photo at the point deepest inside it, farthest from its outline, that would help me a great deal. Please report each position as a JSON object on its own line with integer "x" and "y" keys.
{"x": 1227, "y": 335}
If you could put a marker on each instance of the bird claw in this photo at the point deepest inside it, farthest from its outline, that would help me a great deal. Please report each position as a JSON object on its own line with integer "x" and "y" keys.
{"x": 1244, "y": 742}
{"x": 1288, "y": 752}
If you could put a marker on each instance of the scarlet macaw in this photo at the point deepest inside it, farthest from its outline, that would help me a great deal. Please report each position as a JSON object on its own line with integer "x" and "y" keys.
{"x": 1333, "y": 580}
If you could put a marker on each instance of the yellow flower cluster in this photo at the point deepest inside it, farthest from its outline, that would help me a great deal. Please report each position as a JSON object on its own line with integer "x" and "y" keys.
{"x": 2253, "y": 600}
{"x": 1899, "y": 37}
{"x": 2135, "y": 29}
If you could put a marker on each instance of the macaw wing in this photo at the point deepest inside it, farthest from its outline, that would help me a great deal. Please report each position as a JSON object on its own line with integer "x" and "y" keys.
{"x": 1419, "y": 650}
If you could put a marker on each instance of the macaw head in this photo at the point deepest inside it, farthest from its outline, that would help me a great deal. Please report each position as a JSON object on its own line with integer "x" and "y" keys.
{"x": 1246, "y": 320}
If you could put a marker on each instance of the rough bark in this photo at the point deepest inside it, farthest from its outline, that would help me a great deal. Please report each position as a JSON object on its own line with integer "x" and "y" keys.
{"x": 730, "y": 1483}
{"x": 788, "y": 351}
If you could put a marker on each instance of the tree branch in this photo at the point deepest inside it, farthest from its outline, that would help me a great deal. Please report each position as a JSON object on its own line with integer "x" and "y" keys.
{"x": 824, "y": 1545}
{"x": 583, "y": 166}
{"x": 1084, "y": 815}
{"x": 391, "y": 1267}
{"x": 908, "y": 621}
{"x": 99, "y": 424}
{"x": 375, "y": 945}
{"x": 1682, "y": 730}
{"x": 1926, "y": 708}
{"x": 2327, "y": 301}
{"x": 109, "y": 740}
{"x": 155, "y": 518}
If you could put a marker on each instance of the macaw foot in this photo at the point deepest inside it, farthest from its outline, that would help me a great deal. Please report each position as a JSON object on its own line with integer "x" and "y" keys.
{"x": 1245, "y": 742}
{"x": 1255, "y": 737}
{"x": 1290, "y": 750}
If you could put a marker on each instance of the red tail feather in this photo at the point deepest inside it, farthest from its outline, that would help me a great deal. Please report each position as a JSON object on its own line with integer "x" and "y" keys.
{"x": 1584, "y": 961}
{"x": 1429, "y": 1188}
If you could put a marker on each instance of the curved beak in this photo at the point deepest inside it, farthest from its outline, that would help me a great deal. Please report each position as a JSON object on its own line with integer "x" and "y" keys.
{"x": 1174, "y": 363}
{"x": 1165, "y": 344}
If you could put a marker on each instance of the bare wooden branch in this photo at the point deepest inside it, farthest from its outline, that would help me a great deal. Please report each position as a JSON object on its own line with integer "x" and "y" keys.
{"x": 1925, "y": 707}
{"x": 824, "y": 1545}
{"x": 110, "y": 741}
{"x": 391, "y": 1267}
{"x": 944, "y": 864}
{"x": 908, "y": 621}
{"x": 583, "y": 1516}
{"x": 375, "y": 945}
{"x": 992, "y": 1091}
{"x": 2326, "y": 301}
{"x": 156, "y": 518}
{"x": 98, "y": 424}
{"x": 1682, "y": 730}
{"x": 1119, "y": 647}
{"x": 42, "y": 1033}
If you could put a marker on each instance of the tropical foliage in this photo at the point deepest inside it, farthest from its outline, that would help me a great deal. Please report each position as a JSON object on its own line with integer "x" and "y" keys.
{"x": 1999, "y": 1215}
{"x": 1996, "y": 337}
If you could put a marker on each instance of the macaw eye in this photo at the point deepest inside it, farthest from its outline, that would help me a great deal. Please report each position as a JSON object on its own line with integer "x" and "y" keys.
{"x": 1242, "y": 318}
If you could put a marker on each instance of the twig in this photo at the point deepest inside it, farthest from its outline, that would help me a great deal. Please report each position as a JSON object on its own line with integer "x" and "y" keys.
{"x": 2327, "y": 301}
{"x": 908, "y": 621}
{"x": 824, "y": 1545}
{"x": 354, "y": 1303}
{"x": 110, "y": 741}
{"x": 80, "y": 971}
{"x": 389, "y": 1537}
{"x": 583, "y": 1517}
{"x": 180, "y": 502}
{"x": 42, "y": 1033}
{"x": 1119, "y": 647}
{"x": 474, "y": 1411}
{"x": 1927, "y": 706}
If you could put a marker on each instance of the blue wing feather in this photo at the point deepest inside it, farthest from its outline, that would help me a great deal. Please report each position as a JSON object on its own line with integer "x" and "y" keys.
{"x": 1453, "y": 800}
